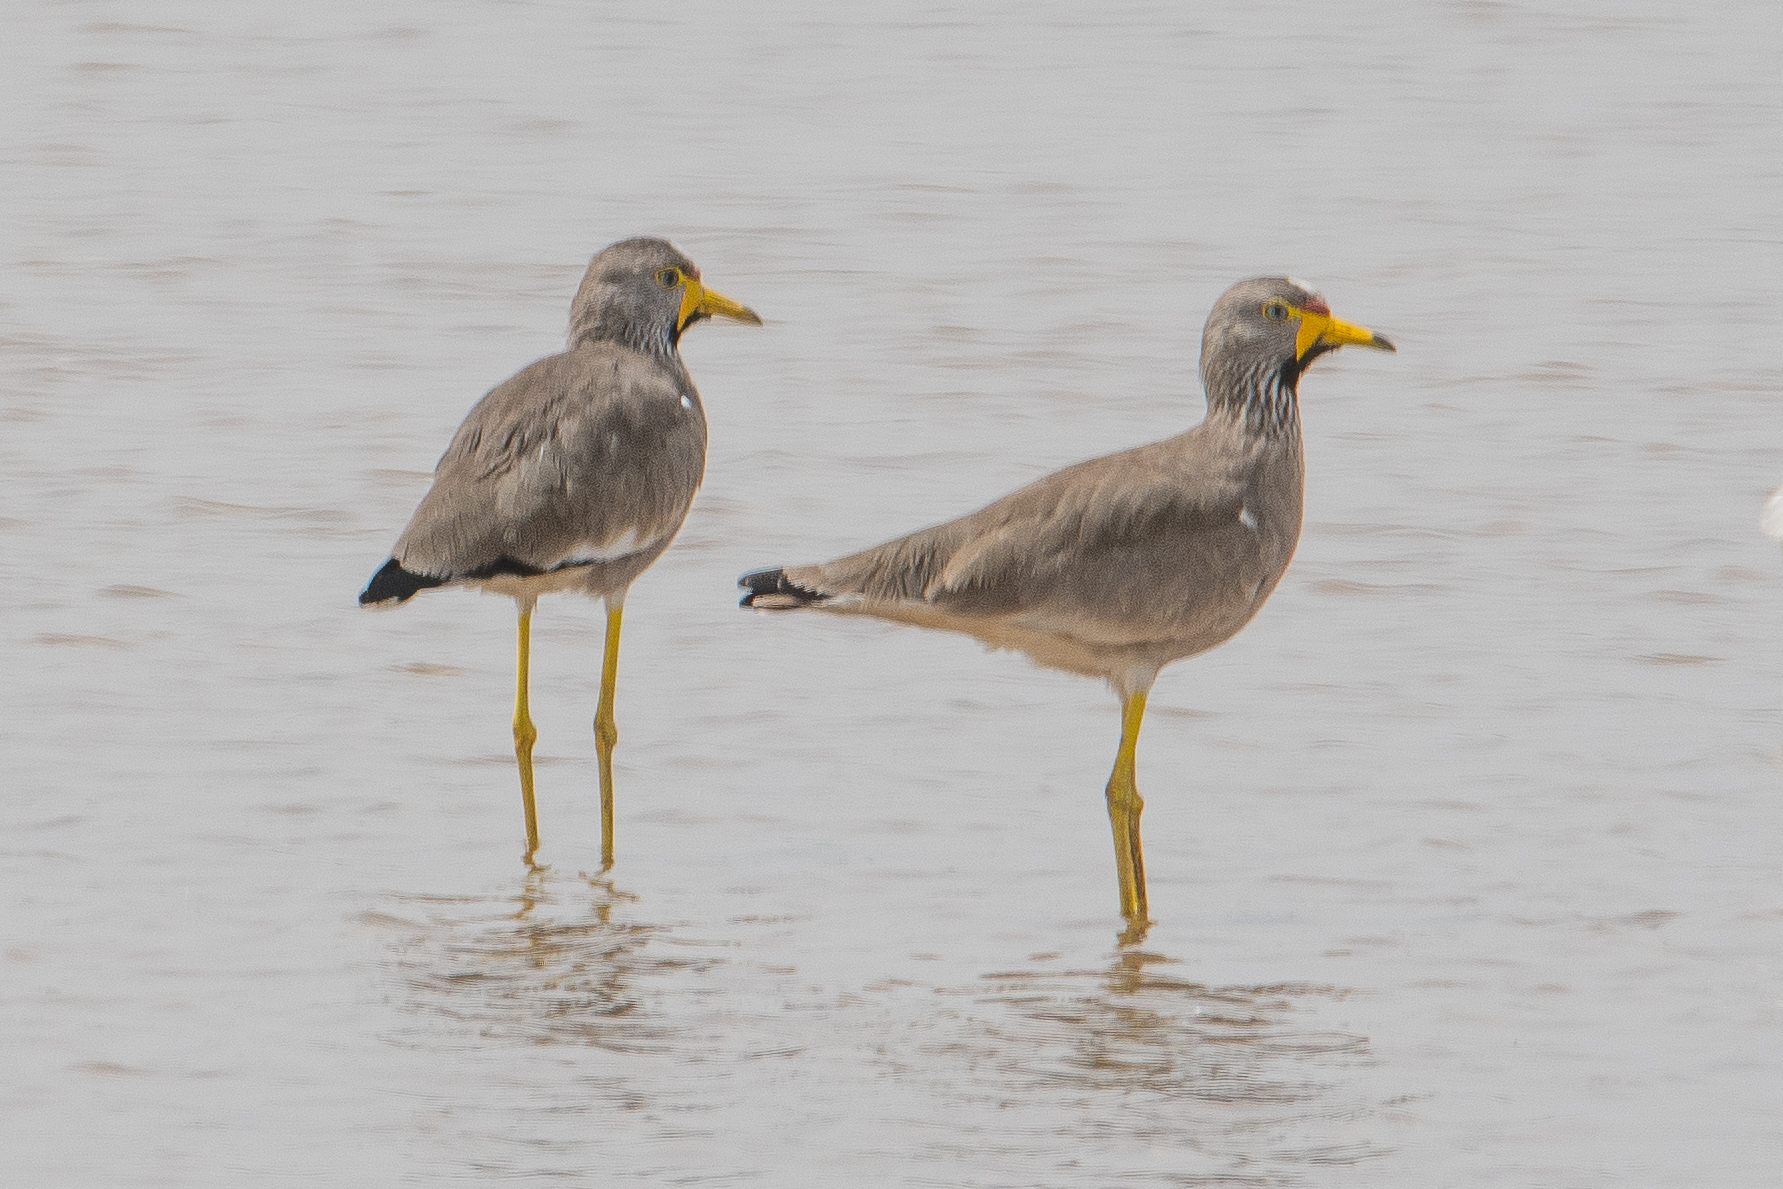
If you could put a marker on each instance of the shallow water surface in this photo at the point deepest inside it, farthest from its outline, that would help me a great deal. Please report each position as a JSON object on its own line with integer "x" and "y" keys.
{"x": 1464, "y": 855}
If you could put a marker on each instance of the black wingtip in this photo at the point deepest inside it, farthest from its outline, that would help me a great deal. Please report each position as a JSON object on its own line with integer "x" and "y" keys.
{"x": 773, "y": 590}
{"x": 395, "y": 584}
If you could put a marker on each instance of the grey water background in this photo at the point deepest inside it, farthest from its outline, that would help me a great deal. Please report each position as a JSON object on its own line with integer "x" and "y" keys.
{"x": 1464, "y": 856}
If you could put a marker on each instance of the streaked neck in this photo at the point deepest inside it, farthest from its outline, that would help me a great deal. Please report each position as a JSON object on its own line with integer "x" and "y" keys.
{"x": 655, "y": 339}
{"x": 1262, "y": 396}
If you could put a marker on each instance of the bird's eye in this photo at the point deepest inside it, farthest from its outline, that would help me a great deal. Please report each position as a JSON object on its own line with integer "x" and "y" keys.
{"x": 1275, "y": 311}
{"x": 668, "y": 278}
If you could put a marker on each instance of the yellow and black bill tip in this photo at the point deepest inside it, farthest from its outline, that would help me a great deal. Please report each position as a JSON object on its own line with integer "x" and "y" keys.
{"x": 1320, "y": 332}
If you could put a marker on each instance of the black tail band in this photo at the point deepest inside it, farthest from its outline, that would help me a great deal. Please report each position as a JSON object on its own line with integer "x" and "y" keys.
{"x": 395, "y": 584}
{"x": 776, "y": 590}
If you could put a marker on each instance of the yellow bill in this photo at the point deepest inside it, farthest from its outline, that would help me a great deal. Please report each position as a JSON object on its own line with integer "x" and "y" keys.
{"x": 1320, "y": 328}
{"x": 698, "y": 302}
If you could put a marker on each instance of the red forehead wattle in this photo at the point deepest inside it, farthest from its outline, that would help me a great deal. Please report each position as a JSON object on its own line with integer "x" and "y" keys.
{"x": 1316, "y": 305}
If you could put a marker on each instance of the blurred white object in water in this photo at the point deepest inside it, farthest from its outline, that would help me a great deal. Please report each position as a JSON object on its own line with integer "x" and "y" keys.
{"x": 1772, "y": 520}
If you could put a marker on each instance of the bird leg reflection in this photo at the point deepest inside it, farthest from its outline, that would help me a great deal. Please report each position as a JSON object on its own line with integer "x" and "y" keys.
{"x": 606, "y": 730}
{"x": 532, "y": 892}
{"x": 525, "y": 734}
{"x": 1124, "y": 808}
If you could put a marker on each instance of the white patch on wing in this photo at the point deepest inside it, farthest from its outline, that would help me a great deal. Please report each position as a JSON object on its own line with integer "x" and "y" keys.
{"x": 588, "y": 552}
{"x": 685, "y": 403}
{"x": 1247, "y": 517}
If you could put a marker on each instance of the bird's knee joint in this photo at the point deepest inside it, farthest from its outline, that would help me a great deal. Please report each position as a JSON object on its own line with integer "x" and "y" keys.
{"x": 1124, "y": 800}
{"x": 606, "y": 733}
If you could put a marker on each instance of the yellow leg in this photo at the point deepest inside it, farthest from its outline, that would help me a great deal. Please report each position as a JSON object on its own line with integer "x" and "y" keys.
{"x": 525, "y": 734}
{"x": 606, "y": 731}
{"x": 1124, "y": 807}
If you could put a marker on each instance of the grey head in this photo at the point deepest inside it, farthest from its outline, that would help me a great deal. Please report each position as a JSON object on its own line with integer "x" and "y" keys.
{"x": 1259, "y": 338}
{"x": 642, "y": 293}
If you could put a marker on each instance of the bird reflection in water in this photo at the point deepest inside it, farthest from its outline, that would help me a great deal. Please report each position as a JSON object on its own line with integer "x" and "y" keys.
{"x": 1231, "y": 1079}
{"x": 559, "y": 962}
{"x": 1134, "y": 1026}
{"x": 1117, "y": 1070}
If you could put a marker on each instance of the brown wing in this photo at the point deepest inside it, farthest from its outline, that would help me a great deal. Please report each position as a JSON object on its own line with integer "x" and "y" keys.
{"x": 582, "y": 456}
{"x": 1070, "y": 537}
